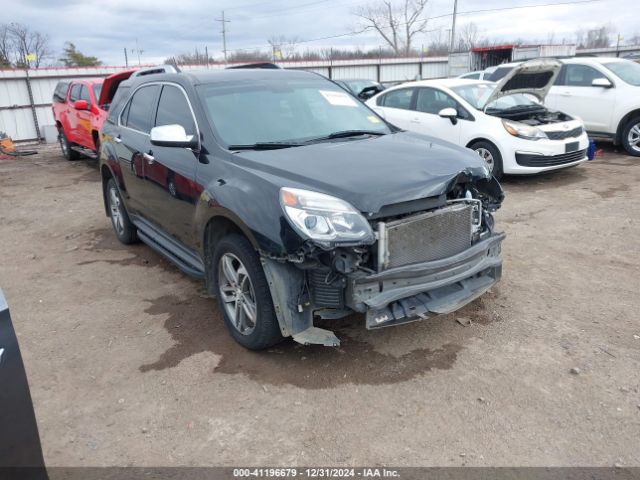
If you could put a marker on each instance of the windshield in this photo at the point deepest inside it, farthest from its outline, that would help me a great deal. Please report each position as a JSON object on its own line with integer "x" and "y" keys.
{"x": 627, "y": 71}
{"x": 478, "y": 94}
{"x": 284, "y": 110}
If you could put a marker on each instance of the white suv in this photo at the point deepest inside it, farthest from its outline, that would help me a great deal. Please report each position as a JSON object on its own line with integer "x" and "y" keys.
{"x": 605, "y": 93}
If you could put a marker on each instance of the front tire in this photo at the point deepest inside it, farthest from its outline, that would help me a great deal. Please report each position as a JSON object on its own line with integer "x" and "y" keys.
{"x": 122, "y": 226}
{"x": 65, "y": 146}
{"x": 631, "y": 137}
{"x": 491, "y": 155}
{"x": 243, "y": 294}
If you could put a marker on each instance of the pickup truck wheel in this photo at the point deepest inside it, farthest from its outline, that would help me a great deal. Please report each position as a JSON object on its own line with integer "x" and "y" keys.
{"x": 65, "y": 145}
{"x": 491, "y": 155}
{"x": 631, "y": 137}
{"x": 122, "y": 226}
{"x": 243, "y": 294}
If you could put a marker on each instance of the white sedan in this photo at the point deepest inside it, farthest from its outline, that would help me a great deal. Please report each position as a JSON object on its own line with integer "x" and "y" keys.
{"x": 506, "y": 123}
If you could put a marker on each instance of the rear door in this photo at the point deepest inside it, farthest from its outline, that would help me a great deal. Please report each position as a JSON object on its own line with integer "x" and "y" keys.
{"x": 574, "y": 94}
{"x": 395, "y": 106}
{"x": 169, "y": 172}
{"x": 132, "y": 144}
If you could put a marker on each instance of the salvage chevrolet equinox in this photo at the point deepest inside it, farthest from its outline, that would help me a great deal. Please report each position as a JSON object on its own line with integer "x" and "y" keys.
{"x": 294, "y": 201}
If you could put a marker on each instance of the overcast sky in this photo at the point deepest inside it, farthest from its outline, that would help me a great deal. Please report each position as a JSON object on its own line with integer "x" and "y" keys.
{"x": 166, "y": 27}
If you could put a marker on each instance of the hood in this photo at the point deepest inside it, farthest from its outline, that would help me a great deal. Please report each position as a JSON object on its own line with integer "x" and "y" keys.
{"x": 110, "y": 85}
{"x": 369, "y": 173}
{"x": 535, "y": 77}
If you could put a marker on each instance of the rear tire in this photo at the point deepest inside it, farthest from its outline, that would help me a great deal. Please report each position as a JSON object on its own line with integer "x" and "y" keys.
{"x": 65, "y": 146}
{"x": 122, "y": 226}
{"x": 631, "y": 137}
{"x": 491, "y": 155}
{"x": 243, "y": 294}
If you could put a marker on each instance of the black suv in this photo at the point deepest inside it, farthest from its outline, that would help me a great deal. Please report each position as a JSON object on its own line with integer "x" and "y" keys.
{"x": 293, "y": 200}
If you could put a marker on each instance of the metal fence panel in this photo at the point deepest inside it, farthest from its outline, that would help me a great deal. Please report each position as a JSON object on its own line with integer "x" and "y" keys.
{"x": 369, "y": 72}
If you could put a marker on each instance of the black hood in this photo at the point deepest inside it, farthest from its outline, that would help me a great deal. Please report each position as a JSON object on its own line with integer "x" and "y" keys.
{"x": 370, "y": 172}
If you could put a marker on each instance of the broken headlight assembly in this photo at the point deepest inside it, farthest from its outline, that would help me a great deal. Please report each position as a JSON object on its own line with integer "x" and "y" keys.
{"x": 522, "y": 130}
{"x": 326, "y": 220}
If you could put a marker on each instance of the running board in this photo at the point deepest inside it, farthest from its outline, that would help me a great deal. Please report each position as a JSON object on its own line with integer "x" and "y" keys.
{"x": 86, "y": 152}
{"x": 183, "y": 259}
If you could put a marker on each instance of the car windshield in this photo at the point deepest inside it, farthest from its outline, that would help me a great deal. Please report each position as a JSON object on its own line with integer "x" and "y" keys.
{"x": 284, "y": 111}
{"x": 478, "y": 94}
{"x": 628, "y": 71}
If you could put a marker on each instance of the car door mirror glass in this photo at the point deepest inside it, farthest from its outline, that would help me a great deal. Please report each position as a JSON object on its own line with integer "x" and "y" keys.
{"x": 172, "y": 136}
{"x": 601, "y": 82}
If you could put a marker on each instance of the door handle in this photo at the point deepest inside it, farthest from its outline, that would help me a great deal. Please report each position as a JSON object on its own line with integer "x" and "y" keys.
{"x": 566, "y": 94}
{"x": 117, "y": 139}
{"x": 415, "y": 120}
{"x": 149, "y": 158}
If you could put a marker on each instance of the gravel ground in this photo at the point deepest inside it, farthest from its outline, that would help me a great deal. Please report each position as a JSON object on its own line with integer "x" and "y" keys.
{"x": 130, "y": 364}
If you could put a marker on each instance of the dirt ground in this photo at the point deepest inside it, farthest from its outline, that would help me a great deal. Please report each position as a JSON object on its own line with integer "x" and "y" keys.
{"x": 130, "y": 364}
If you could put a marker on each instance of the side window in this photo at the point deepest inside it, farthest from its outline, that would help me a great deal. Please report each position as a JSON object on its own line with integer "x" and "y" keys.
{"x": 75, "y": 92}
{"x": 580, "y": 75}
{"x": 84, "y": 94}
{"x": 398, "y": 99}
{"x": 116, "y": 104}
{"x": 173, "y": 109}
{"x": 137, "y": 114}
{"x": 432, "y": 101}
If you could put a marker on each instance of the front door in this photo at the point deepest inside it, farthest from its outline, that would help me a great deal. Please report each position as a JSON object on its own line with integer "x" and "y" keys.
{"x": 132, "y": 145}
{"x": 169, "y": 172}
{"x": 426, "y": 118}
{"x": 574, "y": 94}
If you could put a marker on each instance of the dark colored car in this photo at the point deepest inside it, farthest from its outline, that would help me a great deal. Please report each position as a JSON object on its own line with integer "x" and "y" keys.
{"x": 292, "y": 200}
{"x": 20, "y": 450}
{"x": 362, "y": 88}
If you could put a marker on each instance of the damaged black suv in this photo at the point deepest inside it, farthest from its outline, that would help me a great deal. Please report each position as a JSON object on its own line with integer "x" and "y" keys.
{"x": 294, "y": 201}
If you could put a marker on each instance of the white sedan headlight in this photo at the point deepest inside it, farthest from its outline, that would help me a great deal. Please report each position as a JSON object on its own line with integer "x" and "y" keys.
{"x": 522, "y": 130}
{"x": 324, "y": 219}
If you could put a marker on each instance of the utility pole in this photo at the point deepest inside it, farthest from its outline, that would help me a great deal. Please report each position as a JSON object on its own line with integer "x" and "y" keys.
{"x": 206, "y": 54}
{"x": 224, "y": 34}
{"x": 453, "y": 25}
{"x": 126, "y": 58}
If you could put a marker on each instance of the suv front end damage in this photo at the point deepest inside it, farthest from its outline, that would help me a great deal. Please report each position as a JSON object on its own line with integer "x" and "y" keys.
{"x": 425, "y": 257}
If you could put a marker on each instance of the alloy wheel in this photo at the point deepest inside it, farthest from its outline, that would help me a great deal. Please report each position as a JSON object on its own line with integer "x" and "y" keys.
{"x": 634, "y": 137}
{"x": 115, "y": 207}
{"x": 487, "y": 156}
{"x": 237, "y": 294}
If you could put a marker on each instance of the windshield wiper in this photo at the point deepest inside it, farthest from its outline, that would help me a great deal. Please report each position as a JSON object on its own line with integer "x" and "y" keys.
{"x": 264, "y": 146}
{"x": 346, "y": 134}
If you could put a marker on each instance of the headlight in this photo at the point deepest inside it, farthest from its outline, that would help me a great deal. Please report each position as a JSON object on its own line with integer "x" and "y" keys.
{"x": 324, "y": 219}
{"x": 521, "y": 130}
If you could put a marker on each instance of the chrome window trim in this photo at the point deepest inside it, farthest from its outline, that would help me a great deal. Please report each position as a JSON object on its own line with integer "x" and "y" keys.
{"x": 160, "y": 83}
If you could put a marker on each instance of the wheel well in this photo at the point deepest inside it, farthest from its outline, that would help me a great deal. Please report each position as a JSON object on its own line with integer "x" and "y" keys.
{"x": 476, "y": 140}
{"x": 217, "y": 228}
{"x": 623, "y": 122}
{"x": 106, "y": 175}
{"x": 58, "y": 125}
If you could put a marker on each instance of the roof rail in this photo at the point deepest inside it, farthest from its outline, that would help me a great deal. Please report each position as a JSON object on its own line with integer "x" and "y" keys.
{"x": 266, "y": 65}
{"x": 155, "y": 70}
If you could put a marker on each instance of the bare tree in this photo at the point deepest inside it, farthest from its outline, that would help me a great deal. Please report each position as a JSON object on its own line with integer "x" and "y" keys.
{"x": 26, "y": 43}
{"x": 396, "y": 21}
{"x": 5, "y": 46}
{"x": 469, "y": 36}
{"x": 599, "y": 37}
{"x": 285, "y": 45}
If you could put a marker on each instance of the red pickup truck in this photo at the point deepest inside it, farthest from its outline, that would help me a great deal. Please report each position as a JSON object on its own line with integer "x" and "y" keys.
{"x": 80, "y": 108}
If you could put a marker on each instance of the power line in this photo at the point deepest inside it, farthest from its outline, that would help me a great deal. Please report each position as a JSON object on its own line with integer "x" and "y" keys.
{"x": 468, "y": 12}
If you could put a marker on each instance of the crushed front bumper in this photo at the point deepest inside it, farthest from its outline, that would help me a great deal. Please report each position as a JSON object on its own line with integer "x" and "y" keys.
{"x": 415, "y": 292}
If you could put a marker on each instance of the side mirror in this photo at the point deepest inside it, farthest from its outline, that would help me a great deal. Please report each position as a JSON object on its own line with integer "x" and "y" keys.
{"x": 172, "y": 136}
{"x": 450, "y": 113}
{"x": 601, "y": 82}
{"x": 81, "y": 105}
